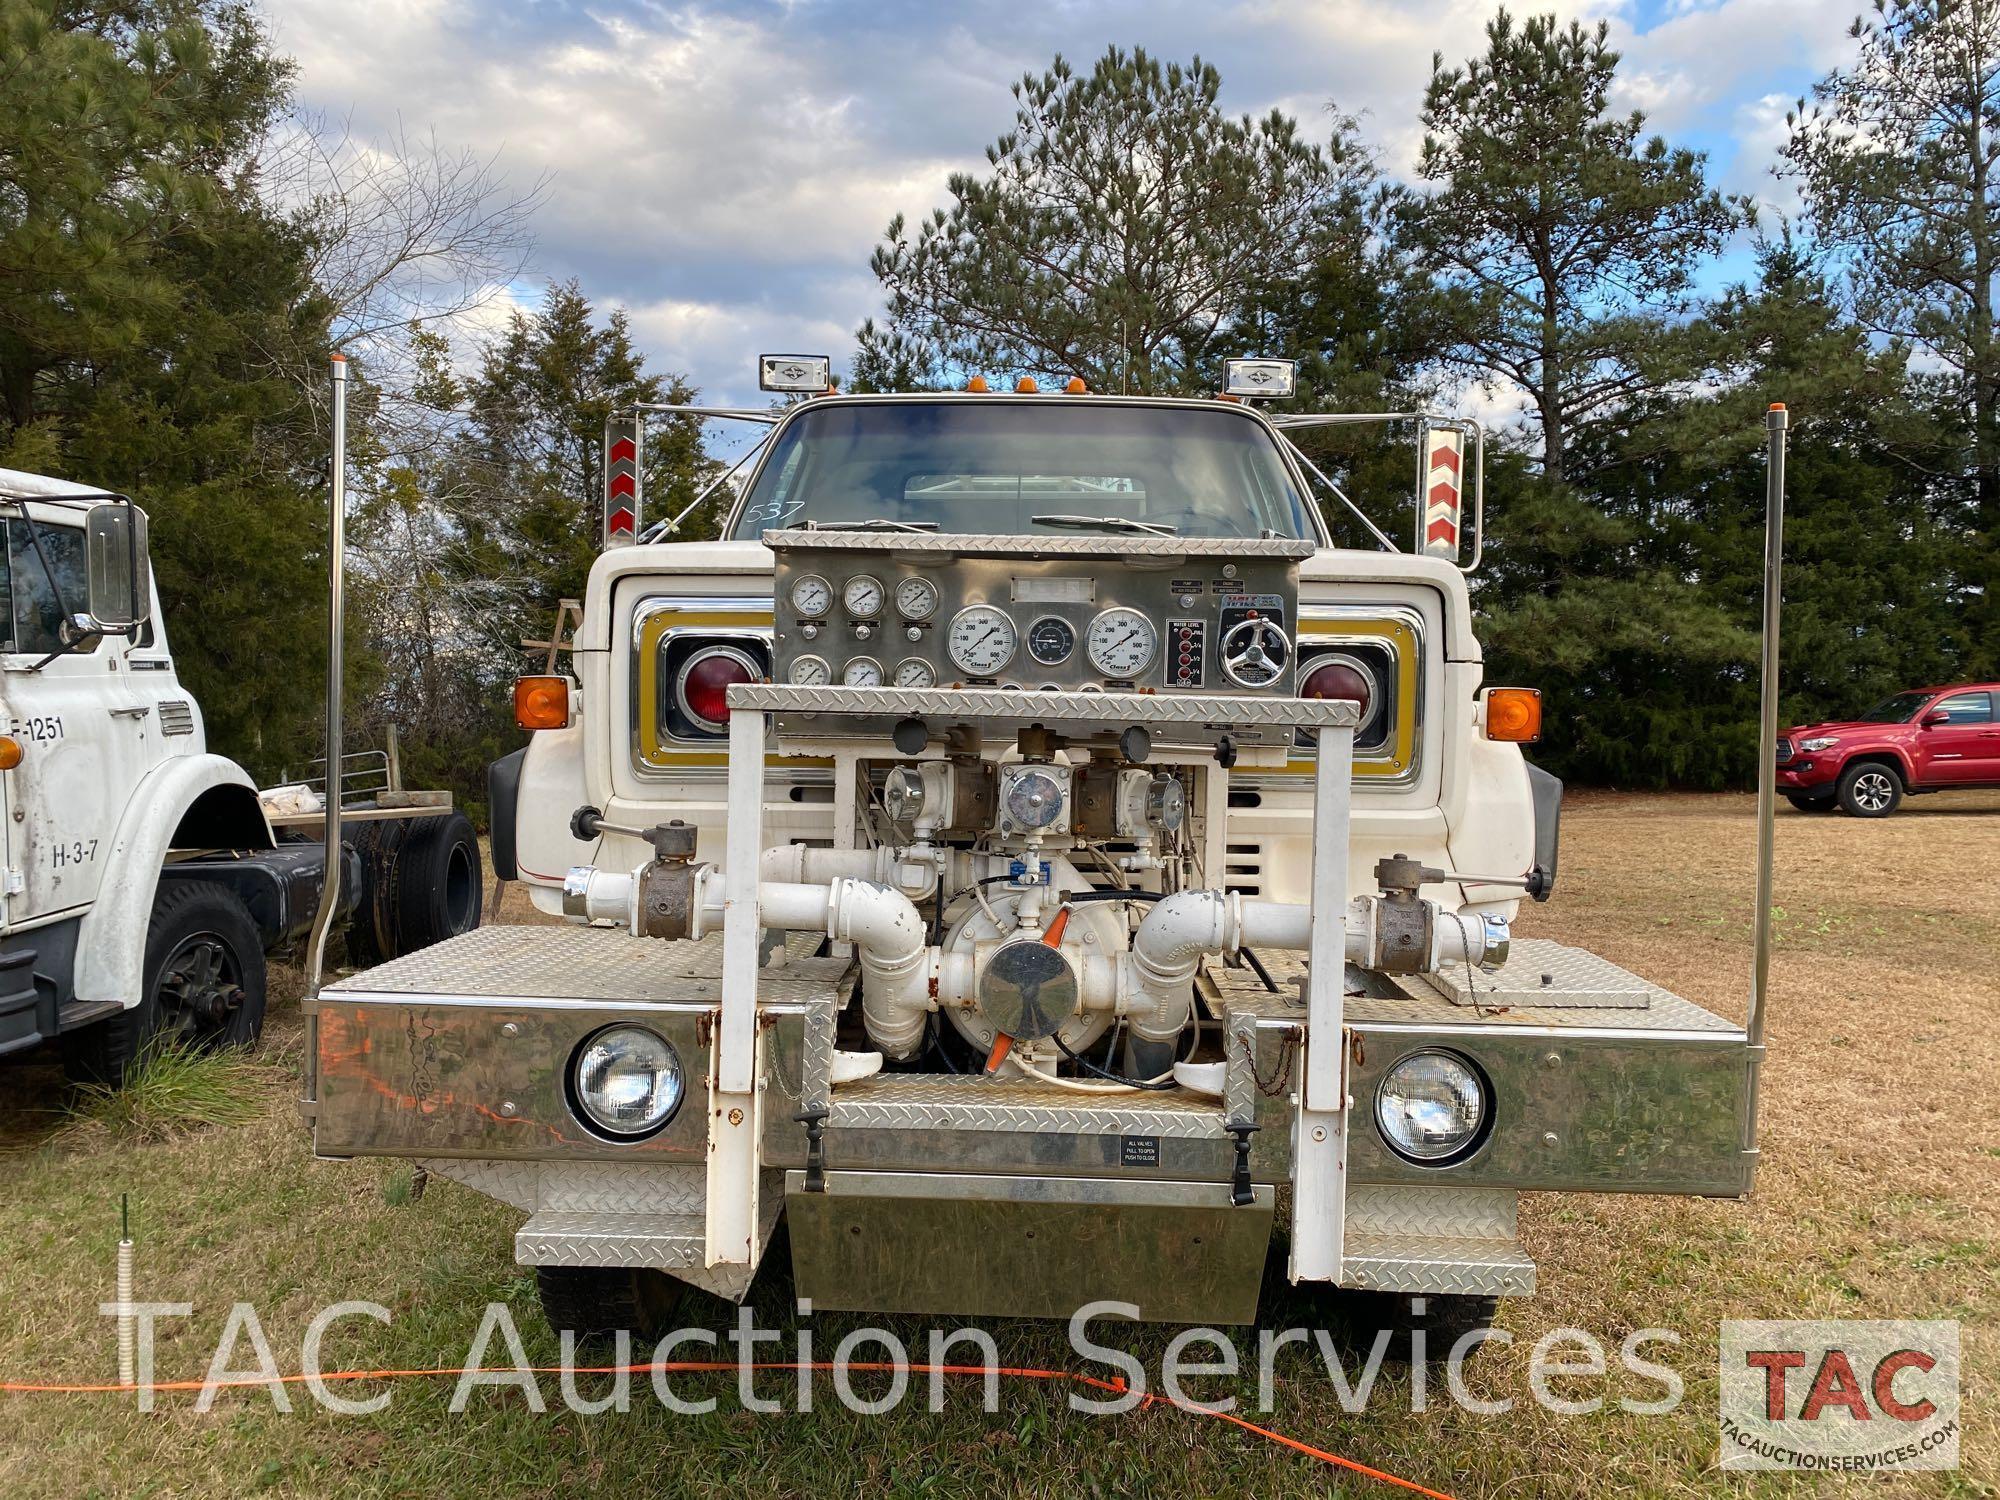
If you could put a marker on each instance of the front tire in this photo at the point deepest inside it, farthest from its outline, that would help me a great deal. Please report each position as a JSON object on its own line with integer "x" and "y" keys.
{"x": 1870, "y": 790}
{"x": 595, "y": 1302}
{"x": 1811, "y": 804}
{"x": 1444, "y": 1321}
{"x": 203, "y": 987}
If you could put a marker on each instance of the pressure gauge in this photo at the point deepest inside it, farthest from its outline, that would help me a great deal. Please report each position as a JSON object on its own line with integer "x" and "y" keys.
{"x": 981, "y": 639}
{"x": 916, "y": 598}
{"x": 915, "y": 672}
{"x": 1121, "y": 643}
{"x": 861, "y": 671}
{"x": 809, "y": 671}
{"x": 1050, "y": 640}
{"x": 862, "y": 596}
{"x": 812, "y": 596}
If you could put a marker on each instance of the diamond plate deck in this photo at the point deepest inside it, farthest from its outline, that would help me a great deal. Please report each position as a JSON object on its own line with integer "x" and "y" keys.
{"x": 1545, "y": 975}
{"x": 1411, "y": 1001}
{"x": 961, "y": 1102}
{"x": 1182, "y": 719}
{"x": 582, "y": 963}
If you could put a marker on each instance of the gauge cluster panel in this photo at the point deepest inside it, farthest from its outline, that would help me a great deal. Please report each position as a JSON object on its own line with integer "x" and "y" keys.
{"x": 1069, "y": 612}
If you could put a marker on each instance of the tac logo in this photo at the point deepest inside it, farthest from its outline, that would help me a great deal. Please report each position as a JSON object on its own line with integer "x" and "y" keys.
{"x": 1840, "y": 1397}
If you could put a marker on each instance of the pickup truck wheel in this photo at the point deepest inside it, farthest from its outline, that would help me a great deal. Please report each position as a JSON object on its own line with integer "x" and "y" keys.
{"x": 438, "y": 882}
{"x": 1870, "y": 790}
{"x": 1811, "y": 804}
{"x": 594, "y": 1302}
{"x": 204, "y": 986}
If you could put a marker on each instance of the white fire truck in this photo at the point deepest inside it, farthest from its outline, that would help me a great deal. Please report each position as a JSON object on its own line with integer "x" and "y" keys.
{"x": 1029, "y": 854}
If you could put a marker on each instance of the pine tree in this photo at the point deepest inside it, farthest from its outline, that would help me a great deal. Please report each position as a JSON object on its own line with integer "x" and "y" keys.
{"x": 1124, "y": 220}
{"x": 1898, "y": 161}
{"x": 1567, "y": 240}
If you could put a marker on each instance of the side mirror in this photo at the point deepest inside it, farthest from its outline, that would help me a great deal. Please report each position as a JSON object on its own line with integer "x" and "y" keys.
{"x": 1934, "y": 718}
{"x": 118, "y": 570}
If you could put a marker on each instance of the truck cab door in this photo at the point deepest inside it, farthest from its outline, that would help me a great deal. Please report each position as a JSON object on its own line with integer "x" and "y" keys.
{"x": 85, "y": 736}
{"x": 1963, "y": 747}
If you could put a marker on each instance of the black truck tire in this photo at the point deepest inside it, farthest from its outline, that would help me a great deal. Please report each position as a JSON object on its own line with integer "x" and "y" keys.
{"x": 595, "y": 1302}
{"x": 438, "y": 883}
{"x": 1444, "y": 1321}
{"x": 1817, "y": 803}
{"x": 203, "y": 987}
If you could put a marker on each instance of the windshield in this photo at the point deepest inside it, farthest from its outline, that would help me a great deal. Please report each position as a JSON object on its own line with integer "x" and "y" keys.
{"x": 1015, "y": 468}
{"x": 1897, "y": 710}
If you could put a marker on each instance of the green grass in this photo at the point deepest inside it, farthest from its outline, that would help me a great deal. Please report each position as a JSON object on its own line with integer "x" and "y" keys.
{"x": 174, "y": 1091}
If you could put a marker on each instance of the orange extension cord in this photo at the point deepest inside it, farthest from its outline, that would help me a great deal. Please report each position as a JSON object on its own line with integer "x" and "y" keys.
{"x": 1112, "y": 1387}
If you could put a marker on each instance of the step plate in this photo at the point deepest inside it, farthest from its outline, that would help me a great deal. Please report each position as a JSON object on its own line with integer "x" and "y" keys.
{"x": 663, "y": 1242}
{"x": 1437, "y": 1266}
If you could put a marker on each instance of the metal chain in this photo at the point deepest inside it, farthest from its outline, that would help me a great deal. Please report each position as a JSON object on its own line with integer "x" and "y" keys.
{"x": 1282, "y": 1074}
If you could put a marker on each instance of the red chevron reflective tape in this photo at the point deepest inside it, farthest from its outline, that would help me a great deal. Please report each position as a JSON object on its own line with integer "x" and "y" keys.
{"x": 624, "y": 484}
{"x": 1443, "y": 462}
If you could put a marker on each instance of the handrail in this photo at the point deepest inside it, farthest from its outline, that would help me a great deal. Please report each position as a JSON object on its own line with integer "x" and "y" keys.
{"x": 1464, "y": 426}
{"x": 1776, "y": 422}
{"x": 1339, "y": 494}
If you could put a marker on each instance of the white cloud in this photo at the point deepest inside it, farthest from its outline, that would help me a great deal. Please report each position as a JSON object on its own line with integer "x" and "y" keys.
{"x": 723, "y": 170}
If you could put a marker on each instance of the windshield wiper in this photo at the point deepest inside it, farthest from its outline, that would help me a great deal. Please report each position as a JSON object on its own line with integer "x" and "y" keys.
{"x": 873, "y": 523}
{"x": 1105, "y": 523}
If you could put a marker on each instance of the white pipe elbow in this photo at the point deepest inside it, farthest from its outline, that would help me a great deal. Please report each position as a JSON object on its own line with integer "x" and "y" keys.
{"x": 889, "y": 936}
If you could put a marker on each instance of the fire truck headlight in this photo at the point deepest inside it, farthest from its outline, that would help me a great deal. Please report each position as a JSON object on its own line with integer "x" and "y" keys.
{"x": 1432, "y": 1108}
{"x": 626, "y": 1082}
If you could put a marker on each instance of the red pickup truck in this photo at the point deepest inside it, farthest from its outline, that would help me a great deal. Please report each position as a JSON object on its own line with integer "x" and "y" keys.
{"x": 1926, "y": 740}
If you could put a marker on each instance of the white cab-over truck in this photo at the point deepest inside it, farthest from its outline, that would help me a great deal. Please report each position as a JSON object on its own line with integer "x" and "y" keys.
{"x": 1030, "y": 855}
{"x": 144, "y": 881}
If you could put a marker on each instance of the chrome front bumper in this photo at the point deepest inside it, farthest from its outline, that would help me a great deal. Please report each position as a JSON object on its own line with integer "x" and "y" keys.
{"x": 459, "y": 1056}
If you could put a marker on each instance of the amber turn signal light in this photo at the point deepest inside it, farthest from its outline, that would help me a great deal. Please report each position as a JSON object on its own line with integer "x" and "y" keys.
{"x": 10, "y": 752}
{"x": 1025, "y": 385}
{"x": 541, "y": 702}
{"x": 1514, "y": 714}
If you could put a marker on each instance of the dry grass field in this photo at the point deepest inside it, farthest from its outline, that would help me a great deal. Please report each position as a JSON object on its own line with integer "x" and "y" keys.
{"x": 1879, "y": 1197}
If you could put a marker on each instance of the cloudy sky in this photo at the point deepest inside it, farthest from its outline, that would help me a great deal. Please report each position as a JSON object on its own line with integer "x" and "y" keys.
{"x": 723, "y": 170}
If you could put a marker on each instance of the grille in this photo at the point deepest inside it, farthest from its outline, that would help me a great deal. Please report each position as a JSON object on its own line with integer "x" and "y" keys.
{"x": 1244, "y": 869}
{"x": 1784, "y": 751}
{"x": 176, "y": 717}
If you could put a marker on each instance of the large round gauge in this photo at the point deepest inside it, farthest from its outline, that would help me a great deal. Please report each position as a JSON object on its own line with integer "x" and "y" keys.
{"x": 916, "y": 598}
{"x": 863, "y": 596}
{"x": 812, "y": 596}
{"x": 861, "y": 671}
{"x": 1121, "y": 643}
{"x": 1051, "y": 640}
{"x": 915, "y": 672}
{"x": 981, "y": 639}
{"x": 809, "y": 671}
